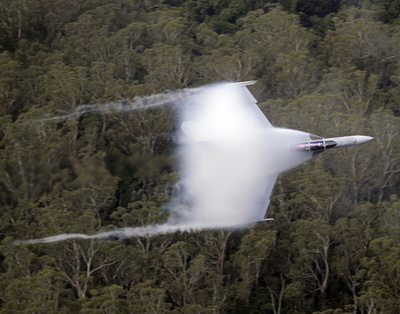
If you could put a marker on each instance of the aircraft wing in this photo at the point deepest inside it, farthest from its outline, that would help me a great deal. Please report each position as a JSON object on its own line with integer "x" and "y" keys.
{"x": 222, "y": 110}
{"x": 266, "y": 194}
{"x": 252, "y": 103}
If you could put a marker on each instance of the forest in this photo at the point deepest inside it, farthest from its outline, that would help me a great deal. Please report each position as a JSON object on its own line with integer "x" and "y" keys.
{"x": 328, "y": 67}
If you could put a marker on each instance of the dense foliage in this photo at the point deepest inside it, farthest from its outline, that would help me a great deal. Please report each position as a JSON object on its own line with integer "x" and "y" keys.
{"x": 327, "y": 67}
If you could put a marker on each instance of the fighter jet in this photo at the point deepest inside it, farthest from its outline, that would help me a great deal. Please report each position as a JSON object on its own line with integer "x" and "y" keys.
{"x": 239, "y": 153}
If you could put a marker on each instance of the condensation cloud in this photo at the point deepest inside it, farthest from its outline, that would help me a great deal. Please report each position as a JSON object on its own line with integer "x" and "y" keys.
{"x": 230, "y": 157}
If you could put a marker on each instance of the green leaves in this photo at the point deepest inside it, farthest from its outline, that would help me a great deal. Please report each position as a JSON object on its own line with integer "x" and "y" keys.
{"x": 334, "y": 243}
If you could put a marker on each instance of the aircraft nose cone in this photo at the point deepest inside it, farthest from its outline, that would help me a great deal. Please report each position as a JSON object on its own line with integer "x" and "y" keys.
{"x": 360, "y": 139}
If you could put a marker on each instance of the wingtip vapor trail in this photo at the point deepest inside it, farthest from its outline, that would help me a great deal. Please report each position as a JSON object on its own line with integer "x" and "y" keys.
{"x": 130, "y": 232}
{"x": 137, "y": 103}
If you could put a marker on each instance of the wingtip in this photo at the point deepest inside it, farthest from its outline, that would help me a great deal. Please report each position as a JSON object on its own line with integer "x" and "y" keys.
{"x": 245, "y": 83}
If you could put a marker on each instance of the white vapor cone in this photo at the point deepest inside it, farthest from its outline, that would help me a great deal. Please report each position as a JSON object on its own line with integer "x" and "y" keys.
{"x": 231, "y": 156}
{"x": 224, "y": 166}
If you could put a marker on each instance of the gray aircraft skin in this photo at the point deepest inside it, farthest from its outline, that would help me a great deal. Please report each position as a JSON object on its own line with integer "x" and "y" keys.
{"x": 274, "y": 149}
{"x": 318, "y": 144}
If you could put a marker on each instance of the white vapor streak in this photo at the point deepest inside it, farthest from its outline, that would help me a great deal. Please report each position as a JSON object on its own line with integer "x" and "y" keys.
{"x": 139, "y": 102}
{"x": 124, "y": 233}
